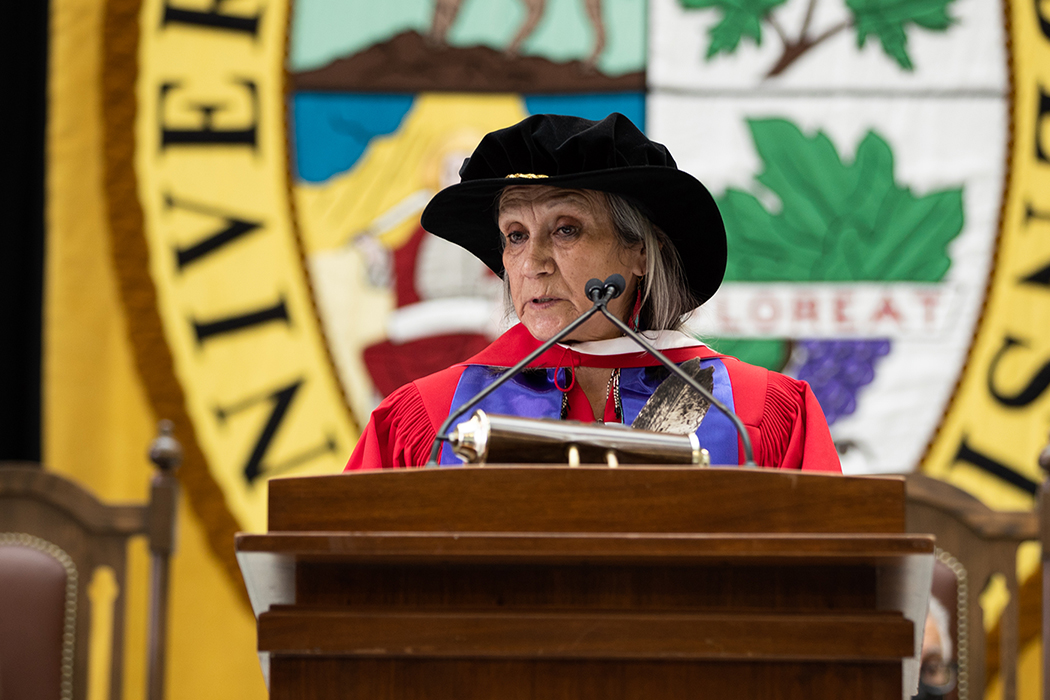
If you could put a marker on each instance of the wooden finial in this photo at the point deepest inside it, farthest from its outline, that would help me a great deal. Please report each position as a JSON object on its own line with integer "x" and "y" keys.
{"x": 165, "y": 451}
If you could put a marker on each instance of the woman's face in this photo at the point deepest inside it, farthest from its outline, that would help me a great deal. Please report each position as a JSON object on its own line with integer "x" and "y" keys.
{"x": 555, "y": 240}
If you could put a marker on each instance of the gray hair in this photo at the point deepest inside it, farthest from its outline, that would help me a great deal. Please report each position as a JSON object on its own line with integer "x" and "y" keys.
{"x": 666, "y": 296}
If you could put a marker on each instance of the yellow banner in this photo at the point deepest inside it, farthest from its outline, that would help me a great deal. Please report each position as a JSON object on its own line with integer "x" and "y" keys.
{"x": 999, "y": 417}
{"x": 212, "y": 178}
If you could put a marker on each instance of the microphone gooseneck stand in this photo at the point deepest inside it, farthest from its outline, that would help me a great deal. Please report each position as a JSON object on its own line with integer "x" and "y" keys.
{"x": 618, "y": 282}
{"x": 601, "y": 293}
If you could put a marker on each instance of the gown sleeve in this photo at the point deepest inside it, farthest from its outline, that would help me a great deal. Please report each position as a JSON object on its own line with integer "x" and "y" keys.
{"x": 399, "y": 433}
{"x": 786, "y": 424}
{"x": 795, "y": 433}
{"x": 401, "y": 430}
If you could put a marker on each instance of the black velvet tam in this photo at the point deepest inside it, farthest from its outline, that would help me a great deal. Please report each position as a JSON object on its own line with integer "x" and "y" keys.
{"x": 611, "y": 155}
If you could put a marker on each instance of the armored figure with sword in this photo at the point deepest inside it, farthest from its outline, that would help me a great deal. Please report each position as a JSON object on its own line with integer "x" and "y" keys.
{"x": 604, "y": 246}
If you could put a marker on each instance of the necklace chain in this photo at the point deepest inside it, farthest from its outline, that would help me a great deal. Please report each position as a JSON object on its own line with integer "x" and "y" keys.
{"x": 613, "y": 389}
{"x": 617, "y": 404}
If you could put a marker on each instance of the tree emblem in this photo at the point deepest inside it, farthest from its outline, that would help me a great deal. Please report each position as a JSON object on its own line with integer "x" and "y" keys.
{"x": 887, "y": 20}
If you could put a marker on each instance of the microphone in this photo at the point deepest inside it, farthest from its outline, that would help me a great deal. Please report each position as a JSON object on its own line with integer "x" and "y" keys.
{"x": 613, "y": 286}
{"x": 597, "y": 291}
{"x": 593, "y": 288}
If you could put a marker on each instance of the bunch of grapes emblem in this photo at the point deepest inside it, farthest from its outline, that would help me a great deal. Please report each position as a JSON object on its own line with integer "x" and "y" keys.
{"x": 838, "y": 369}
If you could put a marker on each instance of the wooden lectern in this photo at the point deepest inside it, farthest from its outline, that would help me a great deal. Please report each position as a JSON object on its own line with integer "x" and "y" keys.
{"x": 588, "y": 583}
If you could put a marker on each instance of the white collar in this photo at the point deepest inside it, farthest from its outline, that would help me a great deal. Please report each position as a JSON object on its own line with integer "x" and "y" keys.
{"x": 661, "y": 340}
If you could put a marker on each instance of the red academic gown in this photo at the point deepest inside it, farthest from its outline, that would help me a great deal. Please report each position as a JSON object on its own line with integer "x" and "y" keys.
{"x": 786, "y": 424}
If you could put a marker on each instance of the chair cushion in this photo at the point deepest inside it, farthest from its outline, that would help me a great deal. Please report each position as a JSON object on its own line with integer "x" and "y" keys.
{"x": 32, "y": 615}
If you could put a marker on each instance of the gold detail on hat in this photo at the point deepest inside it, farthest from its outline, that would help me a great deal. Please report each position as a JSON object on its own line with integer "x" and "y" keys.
{"x": 526, "y": 176}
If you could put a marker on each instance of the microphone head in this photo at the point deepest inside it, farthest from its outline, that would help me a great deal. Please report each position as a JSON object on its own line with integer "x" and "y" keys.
{"x": 594, "y": 288}
{"x": 616, "y": 282}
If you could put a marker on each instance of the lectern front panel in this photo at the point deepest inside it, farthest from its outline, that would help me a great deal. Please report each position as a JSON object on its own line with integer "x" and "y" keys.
{"x": 546, "y": 582}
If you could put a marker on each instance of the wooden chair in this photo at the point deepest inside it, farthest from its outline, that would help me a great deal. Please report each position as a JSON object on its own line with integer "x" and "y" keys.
{"x": 976, "y": 543}
{"x": 53, "y": 537}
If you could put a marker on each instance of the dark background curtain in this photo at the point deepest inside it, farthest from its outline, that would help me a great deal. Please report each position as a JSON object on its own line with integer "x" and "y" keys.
{"x": 23, "y": 50}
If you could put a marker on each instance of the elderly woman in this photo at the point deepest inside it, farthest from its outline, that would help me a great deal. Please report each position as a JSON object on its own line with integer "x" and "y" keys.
{"x": 549, "y": 204}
